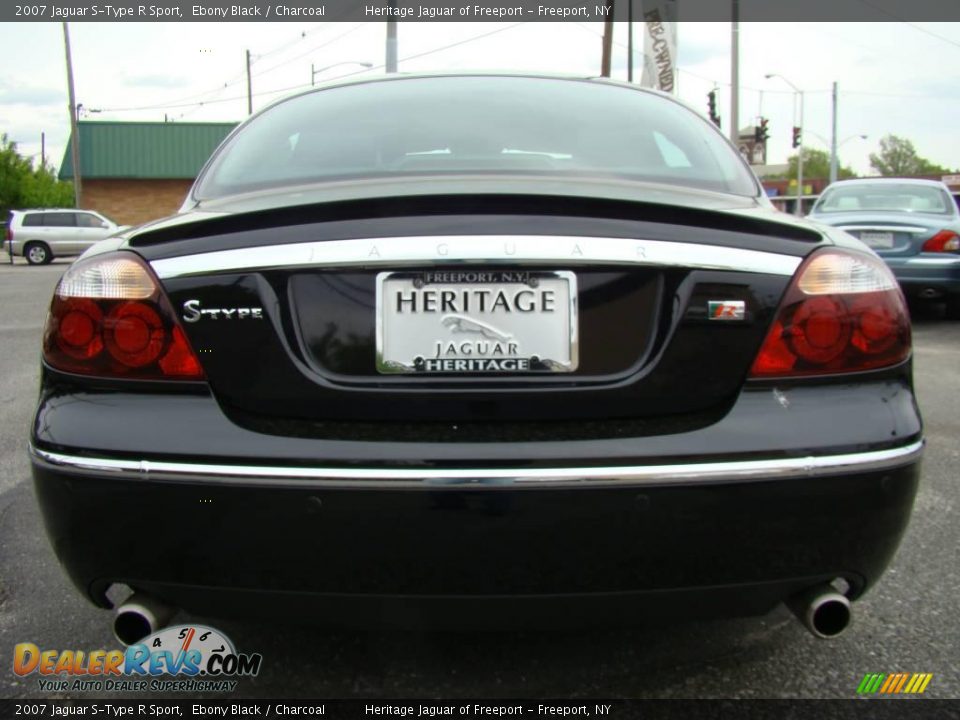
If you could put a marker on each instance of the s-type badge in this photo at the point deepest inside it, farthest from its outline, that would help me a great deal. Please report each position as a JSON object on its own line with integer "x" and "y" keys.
{"x": 192, "y": 312}
{"x": 726, "y": 310}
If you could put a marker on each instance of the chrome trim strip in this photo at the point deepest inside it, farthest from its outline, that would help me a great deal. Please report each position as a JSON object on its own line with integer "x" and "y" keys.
{"x": 885, "y": 228}
{"x": 951, "y": 260}
{"x": 692, "y": 473}
{"x": 398, "y": 252}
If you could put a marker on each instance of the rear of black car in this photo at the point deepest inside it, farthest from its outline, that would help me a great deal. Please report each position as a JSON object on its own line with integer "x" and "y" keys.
{"x": 475, "y": 385}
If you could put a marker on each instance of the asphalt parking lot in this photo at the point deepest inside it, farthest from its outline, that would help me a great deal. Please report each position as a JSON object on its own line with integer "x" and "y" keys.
{"x": 908, "y": 623}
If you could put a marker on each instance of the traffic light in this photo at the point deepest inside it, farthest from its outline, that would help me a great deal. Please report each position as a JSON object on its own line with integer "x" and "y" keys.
{"x": 712, "y": 105}
{"x": 796, "y": 136}
{"x": 762, "y": 132}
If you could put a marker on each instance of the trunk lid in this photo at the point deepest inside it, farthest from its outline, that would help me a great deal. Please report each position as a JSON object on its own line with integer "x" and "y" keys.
{"x": 890, "y": 234}
{"x": 622, "y": 310}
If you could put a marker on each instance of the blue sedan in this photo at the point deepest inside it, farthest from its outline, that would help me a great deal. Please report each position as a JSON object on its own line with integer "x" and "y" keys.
{"x": 914, "y": 225}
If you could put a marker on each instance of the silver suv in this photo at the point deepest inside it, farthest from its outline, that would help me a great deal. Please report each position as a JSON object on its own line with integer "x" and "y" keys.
{"x": 41, "y": 235}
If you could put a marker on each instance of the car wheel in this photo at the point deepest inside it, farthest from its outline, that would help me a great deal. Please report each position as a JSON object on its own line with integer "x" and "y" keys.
{"x": 37, "y": 254}
{"x": 953, "y": 307}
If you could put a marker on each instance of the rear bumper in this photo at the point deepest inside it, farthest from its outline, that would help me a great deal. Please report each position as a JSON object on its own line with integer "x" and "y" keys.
{"x": 428, "y": 555}
{"x": 426, "y": 479}
{"x": 938, "y": 273}
{"x": 778, "y": 495}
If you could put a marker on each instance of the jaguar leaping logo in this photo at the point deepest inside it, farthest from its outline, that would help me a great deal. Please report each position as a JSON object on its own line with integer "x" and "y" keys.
{"x": 463, "y": 324}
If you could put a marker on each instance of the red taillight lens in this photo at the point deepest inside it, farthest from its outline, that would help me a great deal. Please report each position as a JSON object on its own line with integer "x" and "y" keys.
{"x": 77, "y": 334}
{"x": 843, "y": 313}
{"x": 943, "y": 241}
{"x": 109, "y": 318}
{"x": 134, "y": 334}
{"x": 8, "y": 235}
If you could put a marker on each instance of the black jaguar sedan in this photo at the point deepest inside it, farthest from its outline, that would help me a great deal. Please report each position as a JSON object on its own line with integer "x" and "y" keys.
{"x": 503, "y": 349}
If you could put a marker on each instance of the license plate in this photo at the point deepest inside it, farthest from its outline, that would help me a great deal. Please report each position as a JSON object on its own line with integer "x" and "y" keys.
{"x": 469, "y": 322}
{"x": 877, "y": 239}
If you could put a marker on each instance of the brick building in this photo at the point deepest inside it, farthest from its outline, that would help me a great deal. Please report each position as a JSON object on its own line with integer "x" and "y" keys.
{"x": 133, "y": 172}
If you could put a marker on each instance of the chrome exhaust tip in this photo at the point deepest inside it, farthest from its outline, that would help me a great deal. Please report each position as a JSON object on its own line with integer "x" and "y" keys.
{"x": 139, "y": 617}
{"x": 822, "y": 610}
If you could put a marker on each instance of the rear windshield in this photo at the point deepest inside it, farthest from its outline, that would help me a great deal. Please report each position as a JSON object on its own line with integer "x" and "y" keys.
{"x": 476, "y": 125}
{"x": 893, "y": 197}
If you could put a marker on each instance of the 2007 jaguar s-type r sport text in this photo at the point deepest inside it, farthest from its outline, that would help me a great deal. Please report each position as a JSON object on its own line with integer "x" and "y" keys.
{"x": 457, "y": 348}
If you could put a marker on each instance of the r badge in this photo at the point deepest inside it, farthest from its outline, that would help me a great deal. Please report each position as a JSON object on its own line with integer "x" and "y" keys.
{"x": 726, "y": 309}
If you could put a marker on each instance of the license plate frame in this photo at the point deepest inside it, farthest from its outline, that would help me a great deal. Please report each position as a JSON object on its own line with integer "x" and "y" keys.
{"x": 545, "y": 338}
{"x": 877, "y": 240}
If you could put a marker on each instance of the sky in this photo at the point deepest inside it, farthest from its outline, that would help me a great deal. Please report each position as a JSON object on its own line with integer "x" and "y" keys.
{"x": 898, "y": 77}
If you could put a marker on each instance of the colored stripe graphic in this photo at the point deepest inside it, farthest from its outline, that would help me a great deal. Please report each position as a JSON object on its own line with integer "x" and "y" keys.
{"x": 894, "y": 684}
{"x": 871, "y": 683}
{"x": 927, "y": 677}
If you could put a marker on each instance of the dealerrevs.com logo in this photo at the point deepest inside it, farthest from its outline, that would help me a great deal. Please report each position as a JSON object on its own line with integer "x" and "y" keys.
{"x": 183, "y": 658}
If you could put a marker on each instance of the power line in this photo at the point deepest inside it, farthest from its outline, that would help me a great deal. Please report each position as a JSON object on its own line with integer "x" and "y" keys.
{"x": 300, "y": 86}
{"x": 590, "y": 30}
{"x": 311, "y": 50}
{"x": 461, "y": 42}
{"x": 931, "y": 33}
{"x": 898, "y": 18}
{"x": 420, "y": 55}
{"x": 722, "y": 83}
{"x": 213, "y": 92}
{"x": 893, "y": 95}
{"x": 302, "y": 36}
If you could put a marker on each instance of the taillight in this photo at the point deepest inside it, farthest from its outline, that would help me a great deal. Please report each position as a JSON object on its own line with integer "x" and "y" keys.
{"x": 110, "y": 318}
{"x": 843, "y": 312}
{"x": 8, "y": 235}
{"x": 943, "y": 241}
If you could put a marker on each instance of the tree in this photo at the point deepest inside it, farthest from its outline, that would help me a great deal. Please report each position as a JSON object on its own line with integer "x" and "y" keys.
{"x": 816, "y": 164}
{"x": 23, "y": 186}
{"x": 897, "y": 156}
{"x": 42, "y": 189}
{"x": 13, "y": 169}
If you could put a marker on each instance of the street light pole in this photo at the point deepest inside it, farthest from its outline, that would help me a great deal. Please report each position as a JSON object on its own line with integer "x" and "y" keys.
{"x": 735, "y": 75}
{"x": 798, "y": 91}
{"x": 390, "y": 61}
{"x": 799, "y": 212}
{"x": 249, "y": 88}
{"x": 834, "y": 161}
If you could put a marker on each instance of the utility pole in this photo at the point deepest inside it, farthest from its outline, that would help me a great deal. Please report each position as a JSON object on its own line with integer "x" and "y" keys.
{"x": 74, "y": 128}
{"x": 834, "y": 160}
{"x": 735, "y": 75}
{"x": 43, "y": 150}
{"x": 607, "y": 39}
{"x": 249, "y": 88}
{"x": 391, "y": 60}
{"x": 629, "y": 40}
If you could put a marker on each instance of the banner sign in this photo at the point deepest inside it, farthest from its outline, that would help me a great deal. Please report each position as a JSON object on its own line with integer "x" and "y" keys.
{"x": 660, "y": 45}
